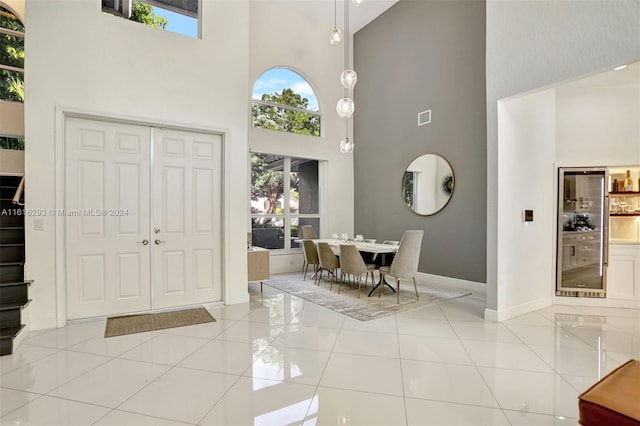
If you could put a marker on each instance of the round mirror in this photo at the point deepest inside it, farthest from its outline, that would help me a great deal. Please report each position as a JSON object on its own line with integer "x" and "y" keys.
{"x": 427, "y": 184}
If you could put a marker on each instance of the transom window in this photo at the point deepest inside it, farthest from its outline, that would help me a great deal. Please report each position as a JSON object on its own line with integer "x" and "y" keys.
{"x": 284, "y": 196}
{"x": 178, "y": 16}
{"x": 283, "y": 100}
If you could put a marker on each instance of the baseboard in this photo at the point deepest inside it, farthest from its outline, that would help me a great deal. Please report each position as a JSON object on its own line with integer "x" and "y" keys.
{"x": 599, "y": 302}
{"x": 514, "y": 311}
{"x": 453, "y": 282}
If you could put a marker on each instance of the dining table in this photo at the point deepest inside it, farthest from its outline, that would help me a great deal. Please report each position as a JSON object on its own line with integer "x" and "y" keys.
{"x": 374, "y": 248}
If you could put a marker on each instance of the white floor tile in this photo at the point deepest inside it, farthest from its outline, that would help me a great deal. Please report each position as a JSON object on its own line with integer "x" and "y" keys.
{"x": 112, "y": 346}
{"x": 577, "y": 361}
{"x": 223, "y": 357}
{"x": 181, "y": 394}
{"x": 520, "y": 418}
{"x": 207, "y": 330}
{"x": 250, "y": 332}
{"x": 343, "y": 407}
{"x": 110, "y": 384}
{"x": 167, "y": 349}
{"x": 515, "y": 356}
{"x": 549, "y": 336}
{"x": 425, "y": 327}
{"x": 580, "y": 383}
{"x": 48, "y": 411}
{"x": 531, "y": 318}
{"x": 445, "y": 382}
{"x": 290, "y": 365}
{"x": 322, "y": 319}
{"x": 366, "y": 343}
{"x": 436, "y": 349}
{"x": 122, "y": 418}
{"x": 253, "y": 401}
{"x": 296, "y": 336}
{"x": 48, "y": 373}
{"x": 463, "y": 309}
{"x": 68, "y": 336}
{"x": 11, "y": 399}
{"x": 231, "y": 312}
{"x": 534, "y": 392}
{"x": 363, "y": 373}
{"x": 485, "y": 331}
{"x": 24, "y": 354}
{"x": 421, "y": 412}
{"x": 381, "y": 325}
{"x": 432, "y": 312}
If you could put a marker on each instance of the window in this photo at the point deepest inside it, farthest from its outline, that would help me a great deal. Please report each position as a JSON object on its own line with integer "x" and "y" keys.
{"x": 284, "y": 196}
{"x": 178, "y": 16}
{"x": 283, "y": 100}
{"x": 11, "y": 57}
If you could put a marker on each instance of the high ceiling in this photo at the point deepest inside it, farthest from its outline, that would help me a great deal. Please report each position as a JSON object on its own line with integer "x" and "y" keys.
{"x": 323, "y": 10}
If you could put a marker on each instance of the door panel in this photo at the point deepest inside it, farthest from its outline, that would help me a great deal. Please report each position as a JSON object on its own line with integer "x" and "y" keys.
{"x": 106, "y": 215}
{"x": 186, "y": 207}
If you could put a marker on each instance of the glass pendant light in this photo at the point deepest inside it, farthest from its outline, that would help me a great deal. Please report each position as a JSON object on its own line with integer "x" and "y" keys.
{"x": 336, "y": 35}
{"x": 349, "y": 78}
{"x": 335, "y": 38}
{"x": 346, "y": 146}
{"x": 357, "y": 3}
{"x": 345, "y": 107}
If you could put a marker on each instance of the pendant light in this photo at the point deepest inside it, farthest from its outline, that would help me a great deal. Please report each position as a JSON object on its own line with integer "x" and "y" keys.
{"x": 357, "y": 3}
{"x": 336, "y": 34}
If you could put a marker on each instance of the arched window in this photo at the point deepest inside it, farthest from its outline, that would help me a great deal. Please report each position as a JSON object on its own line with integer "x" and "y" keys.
{"x": 283, "y": 100}
{"x": 11, "y": 57}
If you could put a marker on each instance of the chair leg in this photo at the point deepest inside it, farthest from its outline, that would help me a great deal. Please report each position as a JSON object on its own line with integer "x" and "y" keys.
{"x": 341, "y": 281}
{"x": 305, "y": 270}
{"x": 304, "y": 263}
{"x": 381, "y": 285}
{"x": 398, "y": 289}
{"x": 415, "y": 288}
{"x": 359, "y": 285}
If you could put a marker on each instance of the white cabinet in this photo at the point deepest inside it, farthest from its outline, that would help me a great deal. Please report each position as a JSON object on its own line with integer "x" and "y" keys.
{"x": 623, "y": 273}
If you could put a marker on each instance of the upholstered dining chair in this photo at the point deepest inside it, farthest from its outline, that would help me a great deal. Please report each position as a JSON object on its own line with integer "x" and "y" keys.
{"x": 352, "y": 263}
{"x": 328, "y": 262}
{"x": 310, "y": 257}
{"x": 387, "y": 258}
{"x": 405, "y": 262}
{"x": 307, "y": 233}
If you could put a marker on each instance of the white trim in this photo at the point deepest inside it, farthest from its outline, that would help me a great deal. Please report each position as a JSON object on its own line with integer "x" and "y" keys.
{"x": 514, "y": 311}
{"x": 596, "y": 302}
{"x": 453, "y": 282}
{"x": 60, "y": 115}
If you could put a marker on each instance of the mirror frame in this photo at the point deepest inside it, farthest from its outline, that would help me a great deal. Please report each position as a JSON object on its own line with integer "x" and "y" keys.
{"x": 453, "y": 184}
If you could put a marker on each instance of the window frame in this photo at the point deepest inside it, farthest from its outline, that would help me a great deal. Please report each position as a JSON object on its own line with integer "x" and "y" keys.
{"x": 13, "y": 33}
{"x": 287, "y": 216}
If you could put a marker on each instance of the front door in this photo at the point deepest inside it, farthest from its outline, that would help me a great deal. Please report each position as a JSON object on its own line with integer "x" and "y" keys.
{"x": 186, "y": 216}
{"x": 107, "y": 218}
{"x": 143, "y": 221}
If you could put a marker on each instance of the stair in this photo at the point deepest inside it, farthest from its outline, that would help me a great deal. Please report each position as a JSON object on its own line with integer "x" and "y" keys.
{"x": 13, "y": 287}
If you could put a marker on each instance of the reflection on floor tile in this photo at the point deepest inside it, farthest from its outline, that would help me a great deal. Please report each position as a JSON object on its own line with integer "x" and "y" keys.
{"x": 279, "y": 359}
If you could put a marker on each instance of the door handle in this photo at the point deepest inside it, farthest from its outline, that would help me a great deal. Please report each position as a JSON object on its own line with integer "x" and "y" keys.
{"x": 143, "y": 242}
{"x": 158, "y": 242}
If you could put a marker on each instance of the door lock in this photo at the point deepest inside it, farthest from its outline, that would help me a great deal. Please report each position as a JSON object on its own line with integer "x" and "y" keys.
{"x": 157, "y": 230}
{"x": 144, "y": 242}
{"x": 158, "y": 242}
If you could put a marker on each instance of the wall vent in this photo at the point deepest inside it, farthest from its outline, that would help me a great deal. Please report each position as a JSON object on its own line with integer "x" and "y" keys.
{"x": 424, "y": 117}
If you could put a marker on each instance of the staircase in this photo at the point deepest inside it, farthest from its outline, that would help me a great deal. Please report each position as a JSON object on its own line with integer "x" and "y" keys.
{"x": 13, "y": 287}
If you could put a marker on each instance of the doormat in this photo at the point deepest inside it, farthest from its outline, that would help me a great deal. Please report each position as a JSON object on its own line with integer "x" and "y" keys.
{"x": 129, "y": 324}
{"x": 365, "y": 308}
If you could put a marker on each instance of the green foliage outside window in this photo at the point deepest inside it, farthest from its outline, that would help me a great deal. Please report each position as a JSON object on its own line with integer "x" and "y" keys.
{"x": 283, "y": 119}
{"x": 11, "y": 54}
{"x": 143, "y": 13}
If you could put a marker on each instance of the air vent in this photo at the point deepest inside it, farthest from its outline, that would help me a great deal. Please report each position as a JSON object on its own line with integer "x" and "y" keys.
{"x": 424, "y": 117}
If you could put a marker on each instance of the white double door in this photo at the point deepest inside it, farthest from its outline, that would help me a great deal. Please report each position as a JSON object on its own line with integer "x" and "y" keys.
{"x": 142, "y": 218}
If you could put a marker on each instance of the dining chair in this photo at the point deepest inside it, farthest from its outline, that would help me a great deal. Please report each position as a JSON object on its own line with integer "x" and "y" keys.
{"x": 310, "y": 257}
{"x": 405, "y": 262}
{"x": 328, "y": 262}
{"x": 352, "y": 263}
{"x": 307, "y": 233}
{"x": 387, "y": 258}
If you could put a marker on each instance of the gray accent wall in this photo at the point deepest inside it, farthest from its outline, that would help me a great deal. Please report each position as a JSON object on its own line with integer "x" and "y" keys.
{"x": 422, "y": 55}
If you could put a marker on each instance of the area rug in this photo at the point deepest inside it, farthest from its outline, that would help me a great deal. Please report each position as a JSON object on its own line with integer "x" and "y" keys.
{"x": 365, "y": 308}
{"x": 129, "y": 324}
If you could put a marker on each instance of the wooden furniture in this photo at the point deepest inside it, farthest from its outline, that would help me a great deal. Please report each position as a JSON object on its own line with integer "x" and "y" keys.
{"x": 614, "y": 400}
{"x": 258, "y": 265}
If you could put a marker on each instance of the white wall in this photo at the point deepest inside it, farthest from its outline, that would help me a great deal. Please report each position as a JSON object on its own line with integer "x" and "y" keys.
{"x": 80, "y": 58}
{"x": 526, "y": 149}
{"x": 530, "y": 45}
{"x": 282, "y": 38}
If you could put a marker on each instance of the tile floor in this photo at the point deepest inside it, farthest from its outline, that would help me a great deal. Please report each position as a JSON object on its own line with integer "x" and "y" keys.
{"x": 280, "y": 360}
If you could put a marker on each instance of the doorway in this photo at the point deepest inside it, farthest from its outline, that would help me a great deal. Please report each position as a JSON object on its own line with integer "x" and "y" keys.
{"x": 142, "y": 218}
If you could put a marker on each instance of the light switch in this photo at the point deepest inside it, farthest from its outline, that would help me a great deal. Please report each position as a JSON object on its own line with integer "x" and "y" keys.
{"x": 527, "y": 216}
{"x": 38, "y": 224}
